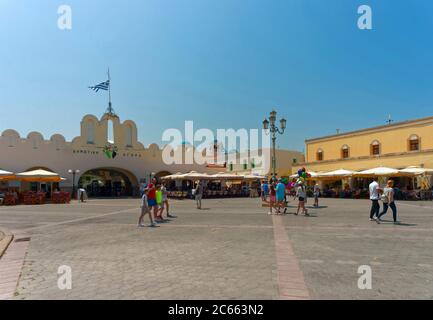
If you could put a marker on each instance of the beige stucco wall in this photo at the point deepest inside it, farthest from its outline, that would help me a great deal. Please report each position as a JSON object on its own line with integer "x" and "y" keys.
{"x": 18, "y": 154}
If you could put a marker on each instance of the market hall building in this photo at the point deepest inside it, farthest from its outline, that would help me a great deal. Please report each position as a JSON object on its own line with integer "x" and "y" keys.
{"x": 396, "y": 145}
{"x": 106, "y": 168}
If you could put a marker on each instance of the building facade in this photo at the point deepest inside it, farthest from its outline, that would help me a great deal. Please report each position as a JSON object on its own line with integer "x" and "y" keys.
{"x": 396, "y": 145}
{"x": 259, "y": 162}
{"x": 107, "y": 165}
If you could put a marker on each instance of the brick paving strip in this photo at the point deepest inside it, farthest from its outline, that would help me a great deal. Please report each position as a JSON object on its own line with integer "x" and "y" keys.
{"x": 11, "y": 263}
{"x": 291, "y": 282}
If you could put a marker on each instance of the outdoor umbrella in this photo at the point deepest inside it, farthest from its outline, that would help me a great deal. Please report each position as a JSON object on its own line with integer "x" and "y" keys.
{"x": 193, "y": 175}
{"x": 416, "y": 171}
{"x": 38, "y": 176}
{"x": 336, "y": 174}
{"x": 253, "y": 177}
{"x": 6, "y": 175}
{"x": 226, "y": 176}
{"x": 172, "y": 176}
{"x": 379, "y": 171}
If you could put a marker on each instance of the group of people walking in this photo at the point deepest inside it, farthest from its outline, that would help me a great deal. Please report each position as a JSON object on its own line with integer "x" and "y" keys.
{"x": 387, "y": 196}
{"x": 278, "y": 193}
{"x": 154, "y": 200}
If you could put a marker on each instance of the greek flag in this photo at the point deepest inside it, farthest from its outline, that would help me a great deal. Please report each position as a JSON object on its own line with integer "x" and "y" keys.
{"x": 102, "y": 86}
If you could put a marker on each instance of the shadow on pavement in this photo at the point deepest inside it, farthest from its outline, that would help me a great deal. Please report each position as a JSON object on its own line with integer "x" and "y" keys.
{"x": 399, "y": 224}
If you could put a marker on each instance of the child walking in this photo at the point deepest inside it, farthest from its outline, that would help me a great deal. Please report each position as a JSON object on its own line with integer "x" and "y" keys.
{"x": 145, "y": 210}
{"x": 272, "y": 198}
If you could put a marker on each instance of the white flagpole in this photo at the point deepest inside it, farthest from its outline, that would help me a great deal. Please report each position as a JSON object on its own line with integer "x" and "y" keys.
{"x": 110, "y": 109}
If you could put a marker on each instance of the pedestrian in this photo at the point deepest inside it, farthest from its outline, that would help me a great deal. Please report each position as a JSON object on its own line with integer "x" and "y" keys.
{"x": 198, "y": 194}
{"x": 286, "y": 198}
{"x": 374, "y": 190}
{"x": 151, "y": 200}
{"x": 164, "y": 202}
{"x": 301, "y": 193}
{"x": 82, "y": 194}
{"x": 280, "y": 191}
{"x": 145, "y": 210}
{"x": 265, "y": 190}
{"x": 272, "y": 198}
{"x": 316, "y": 194}
{"x": 159, "y": 200}
{"x": 143, "y": 185}
{"x": 293, "y": 191}
{"x": 388, "y": 201}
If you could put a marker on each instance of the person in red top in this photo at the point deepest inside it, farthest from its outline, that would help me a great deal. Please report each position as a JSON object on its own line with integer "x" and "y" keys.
{"x": 151, "y": 200}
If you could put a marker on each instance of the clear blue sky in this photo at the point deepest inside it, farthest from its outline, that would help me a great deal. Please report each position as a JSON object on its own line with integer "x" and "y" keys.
{"x": 221, "y": 63}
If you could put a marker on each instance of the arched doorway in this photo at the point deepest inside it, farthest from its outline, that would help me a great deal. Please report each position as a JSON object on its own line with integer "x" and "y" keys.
{"x": 109, "y": 182}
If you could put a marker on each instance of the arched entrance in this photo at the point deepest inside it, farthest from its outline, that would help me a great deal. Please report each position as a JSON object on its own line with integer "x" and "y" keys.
{"x": 109, "y": 182}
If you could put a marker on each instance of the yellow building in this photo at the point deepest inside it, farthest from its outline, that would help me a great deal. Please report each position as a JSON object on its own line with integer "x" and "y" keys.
{"x": 396, "y": 145}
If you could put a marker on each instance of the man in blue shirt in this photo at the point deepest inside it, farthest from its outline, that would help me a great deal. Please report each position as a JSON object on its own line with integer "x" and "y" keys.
{"x": 265, "y": 190}
{"x": 280, "y": 195}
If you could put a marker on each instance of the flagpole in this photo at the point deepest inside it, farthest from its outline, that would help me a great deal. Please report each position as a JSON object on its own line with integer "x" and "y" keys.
{"x": 110, "y": 109}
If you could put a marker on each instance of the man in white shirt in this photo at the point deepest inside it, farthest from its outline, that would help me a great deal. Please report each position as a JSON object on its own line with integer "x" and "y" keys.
{"x": 374, "y": 197}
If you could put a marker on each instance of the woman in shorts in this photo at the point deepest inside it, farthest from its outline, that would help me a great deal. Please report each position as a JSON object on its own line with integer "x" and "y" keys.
{"x": 164, "y": 202}
{"x": 301, "y": 193}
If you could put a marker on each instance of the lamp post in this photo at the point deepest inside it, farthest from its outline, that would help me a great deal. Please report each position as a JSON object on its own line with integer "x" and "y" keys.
{"x": 73, "y": 172}
{"x": 270, "y": 125}
{"x": 151, "y": 175}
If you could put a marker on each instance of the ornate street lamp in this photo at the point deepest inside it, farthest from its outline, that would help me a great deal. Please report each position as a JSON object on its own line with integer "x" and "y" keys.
{"x": 151, "y": 175}
{"x": 270, "y": 125}
{"x": 73, "y": 172}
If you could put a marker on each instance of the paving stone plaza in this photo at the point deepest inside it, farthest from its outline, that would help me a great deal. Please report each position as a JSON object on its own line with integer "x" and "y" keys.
{"x": 232, "y": 249}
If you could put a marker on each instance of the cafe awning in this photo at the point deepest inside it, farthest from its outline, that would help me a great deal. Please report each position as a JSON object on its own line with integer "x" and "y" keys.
{"x": 416, "y": 171}
{"x": 226, "y": 176}
{"x": 6, "y": 175}
{"x": 341, "y": 173}
{"x": 253, "y": 177}
{"x": 172, "y": 176}
{"x": 379, "y": 171}
{"x": 193, "y": 175}
{"x": 39, "y": 176}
